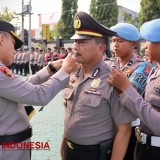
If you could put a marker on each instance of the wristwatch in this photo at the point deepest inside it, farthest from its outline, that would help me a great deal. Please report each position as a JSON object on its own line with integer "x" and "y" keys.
{"x": 52, "y": 69}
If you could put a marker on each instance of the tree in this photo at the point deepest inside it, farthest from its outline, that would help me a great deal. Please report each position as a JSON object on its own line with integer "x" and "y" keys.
{"x": 69, "y": 8}
{"x": 104, "y": 11}
{"x": 6, "y": 15}
{"x": 149, "y": 10}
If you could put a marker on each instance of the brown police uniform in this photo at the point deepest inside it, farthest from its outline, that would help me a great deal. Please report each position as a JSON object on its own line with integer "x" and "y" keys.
{"x": 92, "y": 108}
{"x": 128, "y": 69}
{"x": 14, "y": 93}
{"x": 148, "y": 134}
{"x": 91, "y": 116}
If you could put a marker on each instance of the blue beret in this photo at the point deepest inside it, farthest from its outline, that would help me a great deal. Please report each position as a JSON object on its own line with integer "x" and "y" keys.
{"x": 150, "y": 31}
{"x": 126, "y": 31}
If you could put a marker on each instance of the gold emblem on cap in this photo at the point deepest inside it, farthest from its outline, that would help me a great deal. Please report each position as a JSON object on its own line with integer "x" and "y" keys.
{"x": 77, "y": 23}
{"x": 96, "y": 83}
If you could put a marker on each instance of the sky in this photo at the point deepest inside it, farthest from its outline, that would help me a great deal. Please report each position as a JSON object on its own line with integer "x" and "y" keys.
{"x": 46, "y": 7}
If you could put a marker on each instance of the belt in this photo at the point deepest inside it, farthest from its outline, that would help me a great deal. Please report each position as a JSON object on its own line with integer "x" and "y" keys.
{"x": 142, "y": 137}
{"x": 135, "y": 123}
{"x": 78, "y": 147}
{"x": 17, "y": 137}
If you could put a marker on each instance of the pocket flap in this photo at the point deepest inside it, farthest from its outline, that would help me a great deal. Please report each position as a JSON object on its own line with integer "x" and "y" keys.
{"x": 92, "y": 100}
{"x": 67, "y": 93}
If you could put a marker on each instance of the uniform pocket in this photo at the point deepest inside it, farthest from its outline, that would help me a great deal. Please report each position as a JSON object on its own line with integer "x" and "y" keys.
{"x": 91, "y": 100}
{"x": 93, "y": 107}
{"x": 68, "y": 96}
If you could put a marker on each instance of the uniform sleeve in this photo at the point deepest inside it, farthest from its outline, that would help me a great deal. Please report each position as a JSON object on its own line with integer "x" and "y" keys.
{"x": 17, "y": 90}
{"x": 135, "y": 103}
{"x": 40, "y": 77}
{"x": 120, "y": 114}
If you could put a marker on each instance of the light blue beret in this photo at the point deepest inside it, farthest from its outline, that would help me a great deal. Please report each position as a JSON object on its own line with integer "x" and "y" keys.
{"x": 150, "y": 31}
{"x": 126, "y": 31}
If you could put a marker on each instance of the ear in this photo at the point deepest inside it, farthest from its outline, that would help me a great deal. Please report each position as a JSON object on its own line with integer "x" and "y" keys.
{"x": 133, "y": 44}
{"x": 101, "y": 48}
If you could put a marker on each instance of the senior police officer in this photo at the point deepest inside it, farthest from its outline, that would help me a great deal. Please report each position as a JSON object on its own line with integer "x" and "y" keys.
{"x": 124, "y": 44}
{"x": 38, "y": 90}
{"x": 148, "y": 135}
{"x": 93, "y": 118}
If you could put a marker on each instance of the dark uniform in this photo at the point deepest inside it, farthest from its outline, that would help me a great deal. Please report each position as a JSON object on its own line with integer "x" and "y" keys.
{"x": 148, "y": 134}
{"x": 92, "y": 108}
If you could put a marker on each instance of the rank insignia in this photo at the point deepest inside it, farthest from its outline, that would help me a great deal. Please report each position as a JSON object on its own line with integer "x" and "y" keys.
{"x": 6, "y": 71}
{"x": 96, "y": 83}
{"x": 127, "y": 71}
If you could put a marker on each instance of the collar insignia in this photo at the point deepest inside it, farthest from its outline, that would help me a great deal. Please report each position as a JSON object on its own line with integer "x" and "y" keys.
{"x": 6, "y": 71}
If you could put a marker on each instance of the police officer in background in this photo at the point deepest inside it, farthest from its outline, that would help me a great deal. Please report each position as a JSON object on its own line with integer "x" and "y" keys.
{"x": 124, "y": 44}
{"x": 94, "y": 120}
{"x": 36, "y": 54}
{"x": 148, "y": 134}
{"x": 39, "y": 89}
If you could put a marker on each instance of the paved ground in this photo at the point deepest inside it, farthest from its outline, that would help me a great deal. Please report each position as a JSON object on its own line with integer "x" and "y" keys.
{"x": 48, "y": 127}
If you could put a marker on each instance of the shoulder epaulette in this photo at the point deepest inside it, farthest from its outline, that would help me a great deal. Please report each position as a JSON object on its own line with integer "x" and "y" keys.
{"x": 6, "y": 71}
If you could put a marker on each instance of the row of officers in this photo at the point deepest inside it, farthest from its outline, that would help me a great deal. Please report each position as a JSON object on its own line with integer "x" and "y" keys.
{"x": 36, "y": 60}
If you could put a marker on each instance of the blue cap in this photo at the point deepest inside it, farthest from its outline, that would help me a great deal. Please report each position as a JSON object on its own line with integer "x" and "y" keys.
{"x": 150, "y": 31}
{"x": 126, "y": 31}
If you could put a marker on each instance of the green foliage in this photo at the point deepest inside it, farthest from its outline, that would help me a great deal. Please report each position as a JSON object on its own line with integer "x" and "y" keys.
{"x": 6, "y": 15}
{"x": 65, "y": 24}
{"x": 55, "y": 32}
{"x": 150, "y": 9}
{"x": 104, "y": 11}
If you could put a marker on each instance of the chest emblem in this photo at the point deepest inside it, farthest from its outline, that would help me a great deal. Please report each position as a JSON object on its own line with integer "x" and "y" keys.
{"x": 96, "y": 83}
{"x": 127, "y": 71}
{"x": 146, "y": 70}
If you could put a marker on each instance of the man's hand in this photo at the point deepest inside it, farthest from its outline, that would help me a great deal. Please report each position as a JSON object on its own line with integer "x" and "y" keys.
{"x": 57, "y": 64}
{"x": 69, "y": 64}
{"x": 118, "y": 80}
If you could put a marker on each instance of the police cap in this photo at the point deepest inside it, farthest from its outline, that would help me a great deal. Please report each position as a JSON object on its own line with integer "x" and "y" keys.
{"x": 126, "y": 31}
{"x": 86, "y": 27}
{"x": 150, "y": 31}
{"x": 8, "y": 27}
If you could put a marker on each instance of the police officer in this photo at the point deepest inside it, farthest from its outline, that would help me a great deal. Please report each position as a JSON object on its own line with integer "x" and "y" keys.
{"x": 93, "y": 120}
{"x": 40, "y": 60}
{"x": 36, "y": 54}
{"x": 124, "y": 44}
{"x": 148, "y": 135}
{"x": 14, "y": 125}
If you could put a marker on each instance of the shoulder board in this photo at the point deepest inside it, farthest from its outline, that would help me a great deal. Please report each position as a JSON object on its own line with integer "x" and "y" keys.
{"x": 6, "y": 71}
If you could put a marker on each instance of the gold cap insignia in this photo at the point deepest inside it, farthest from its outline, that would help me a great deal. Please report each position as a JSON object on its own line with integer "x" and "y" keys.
{"x": 77, "y": 23}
